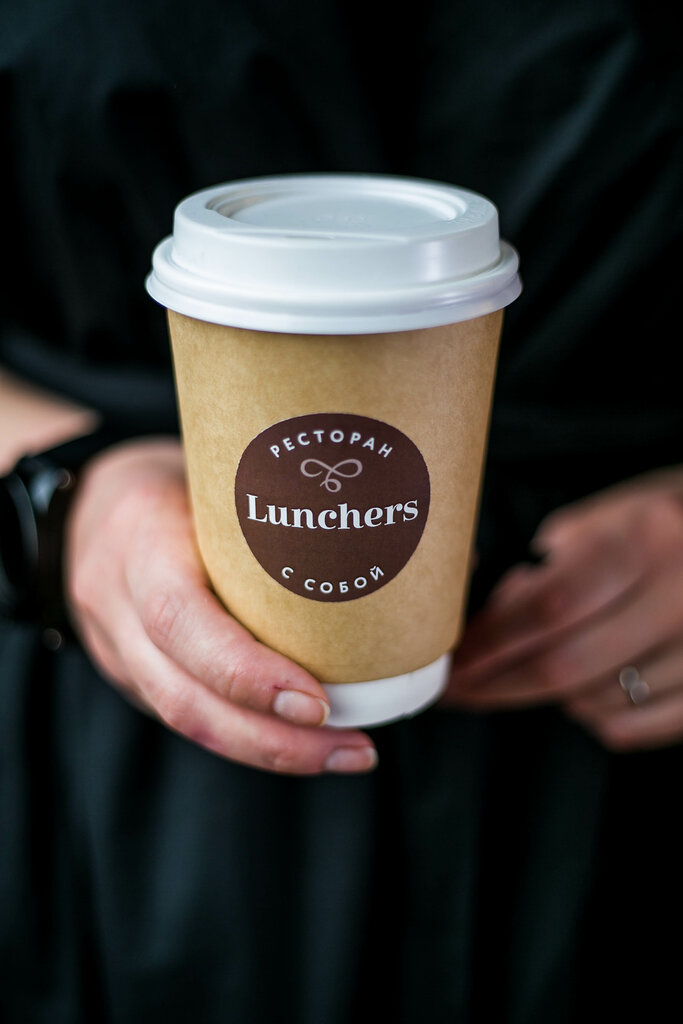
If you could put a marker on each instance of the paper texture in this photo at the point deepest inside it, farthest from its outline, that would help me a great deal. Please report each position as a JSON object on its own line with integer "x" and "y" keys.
{"x": 432, "y": 385}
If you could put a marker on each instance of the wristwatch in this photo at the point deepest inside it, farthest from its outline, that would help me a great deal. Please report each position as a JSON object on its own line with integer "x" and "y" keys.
{"x": 35, "y": 497}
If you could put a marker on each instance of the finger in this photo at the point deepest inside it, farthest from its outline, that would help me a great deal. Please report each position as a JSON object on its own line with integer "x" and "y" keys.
{"x": 514, "y": 585}
{"x": 649, "y": 509}
{"x": 240, "y": 734}
{"x": 538, "y": 604}
{"x": 596, "y": 558}
{"x": 185, "y": 621}
{"x": 646, "y": 726}
{"x": 101, "y": 651}
{"x": 109, "y": 665}
{"x": 624, "y": 635}
{"x": 661, "y": 671}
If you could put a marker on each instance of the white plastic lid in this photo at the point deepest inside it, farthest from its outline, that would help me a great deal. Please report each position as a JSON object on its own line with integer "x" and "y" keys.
{"x": 357, "y": 705}
{"x": 334, "y": 254}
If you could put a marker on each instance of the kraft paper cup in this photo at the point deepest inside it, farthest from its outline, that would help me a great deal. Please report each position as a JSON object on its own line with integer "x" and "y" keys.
{"x": 335, "y": 341}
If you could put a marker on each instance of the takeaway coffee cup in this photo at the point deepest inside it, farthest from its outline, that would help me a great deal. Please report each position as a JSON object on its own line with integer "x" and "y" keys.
{"x": 335, "y": 341}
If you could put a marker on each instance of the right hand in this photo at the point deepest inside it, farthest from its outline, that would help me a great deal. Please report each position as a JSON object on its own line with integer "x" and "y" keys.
{"x": 142, "y": 604}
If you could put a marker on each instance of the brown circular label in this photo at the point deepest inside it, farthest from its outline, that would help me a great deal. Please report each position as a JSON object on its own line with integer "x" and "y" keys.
{"x": 332, "y": 505}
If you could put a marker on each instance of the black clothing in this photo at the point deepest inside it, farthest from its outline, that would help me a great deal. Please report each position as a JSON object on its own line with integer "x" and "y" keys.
{"x": 496, "y": 867}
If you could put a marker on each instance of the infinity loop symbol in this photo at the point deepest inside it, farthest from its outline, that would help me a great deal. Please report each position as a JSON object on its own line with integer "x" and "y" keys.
{"x": 330, "y": 481}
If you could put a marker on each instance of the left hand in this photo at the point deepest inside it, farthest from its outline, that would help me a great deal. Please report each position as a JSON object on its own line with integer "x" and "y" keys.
{"x": 609, "y": 595}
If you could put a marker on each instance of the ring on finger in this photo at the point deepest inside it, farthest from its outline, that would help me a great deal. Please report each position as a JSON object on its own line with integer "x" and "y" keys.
{"x": 633, "y": 685}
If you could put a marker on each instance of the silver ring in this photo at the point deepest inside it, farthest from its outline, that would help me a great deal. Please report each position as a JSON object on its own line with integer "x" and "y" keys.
{"x": 633, "y": 685}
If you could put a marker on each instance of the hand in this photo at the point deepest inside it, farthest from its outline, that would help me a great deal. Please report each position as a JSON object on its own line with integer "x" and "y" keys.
{"x": 141, "y": 603}
{"x": 609, "y": 595}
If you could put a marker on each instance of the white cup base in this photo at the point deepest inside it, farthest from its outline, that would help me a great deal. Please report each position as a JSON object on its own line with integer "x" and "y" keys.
{"x": 380, "y": 701}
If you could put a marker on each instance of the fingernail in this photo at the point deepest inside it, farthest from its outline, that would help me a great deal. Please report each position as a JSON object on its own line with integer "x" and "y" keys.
{"x": 301, "y": 708}
{"x": 351, "y": 759}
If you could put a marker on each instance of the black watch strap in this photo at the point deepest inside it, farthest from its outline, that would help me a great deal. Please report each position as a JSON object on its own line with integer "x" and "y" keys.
{"x": 35, "y": 497}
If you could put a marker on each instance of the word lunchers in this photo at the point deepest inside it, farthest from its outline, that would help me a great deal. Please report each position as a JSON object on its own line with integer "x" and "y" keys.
{"x": 340, "y": 518}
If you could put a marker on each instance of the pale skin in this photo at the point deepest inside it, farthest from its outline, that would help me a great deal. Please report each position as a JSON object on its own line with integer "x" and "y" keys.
{"x": 142, "y": 604}
{"x": 609, "y": 594}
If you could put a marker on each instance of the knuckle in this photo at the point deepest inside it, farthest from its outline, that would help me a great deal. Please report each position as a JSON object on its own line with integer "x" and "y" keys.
{"x": 161, "y": 616}
{"x": 236, "y": 681}
{"x": 284, "y": 757}
{"x": 80, "y": 592}
{"x": 621, "y": 560}
{"x": 614, "y": 737}
{"x": 131, "y": 503}
{"x": 581, "y": 709}
{"x": 624, "y": 732}
{"x": 658, "y": 524}
{"x": 82, "y": 589}
{"x": 176, "y": 710}
{"x": 555, "y": 519}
